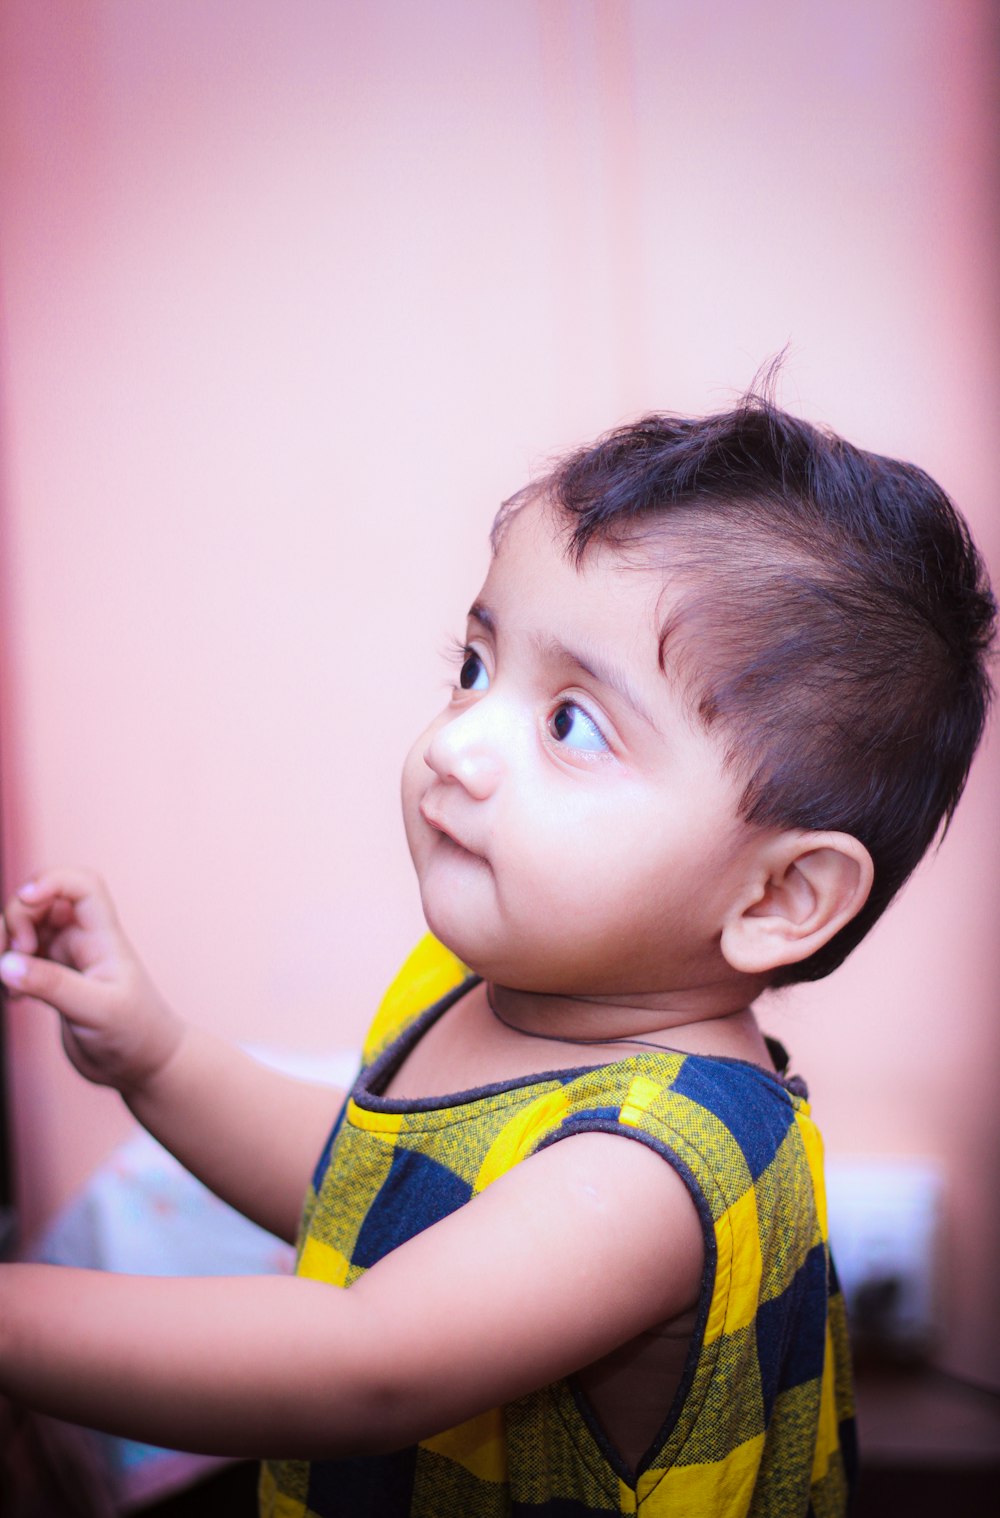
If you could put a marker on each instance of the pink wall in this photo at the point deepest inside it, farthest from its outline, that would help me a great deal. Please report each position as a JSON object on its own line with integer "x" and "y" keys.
{"x": 294, "y": 295}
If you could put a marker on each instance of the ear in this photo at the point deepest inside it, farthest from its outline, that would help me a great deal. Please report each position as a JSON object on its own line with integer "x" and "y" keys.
{"x": 808, "y": 887}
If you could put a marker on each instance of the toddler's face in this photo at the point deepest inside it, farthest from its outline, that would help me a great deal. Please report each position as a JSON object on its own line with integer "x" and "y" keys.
{"x": 572, "y": 826}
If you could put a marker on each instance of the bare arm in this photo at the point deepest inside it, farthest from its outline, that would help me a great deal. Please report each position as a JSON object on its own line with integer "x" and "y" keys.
{"x": 249, "y": 1133}
{"x": 575, "y": 1251}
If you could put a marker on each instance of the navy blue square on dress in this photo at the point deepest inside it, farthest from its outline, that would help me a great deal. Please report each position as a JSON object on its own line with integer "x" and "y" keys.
{"x": 395, "y": 1216}
{"x": 758, "y": 1123}
{"x": 324, "y": 1159}
{"x": 362, "y": 1484}
{"x": 791, "y": 1330}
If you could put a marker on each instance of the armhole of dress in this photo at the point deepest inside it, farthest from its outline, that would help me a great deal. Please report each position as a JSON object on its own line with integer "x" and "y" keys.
{"x": 678, "y": 1410}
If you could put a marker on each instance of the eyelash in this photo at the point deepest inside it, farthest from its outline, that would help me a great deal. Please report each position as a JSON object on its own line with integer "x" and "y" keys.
{"x": 456, "y": 654}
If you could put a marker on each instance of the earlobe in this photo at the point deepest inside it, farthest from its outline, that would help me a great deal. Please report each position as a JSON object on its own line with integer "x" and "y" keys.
{"x": 810, "y": 886}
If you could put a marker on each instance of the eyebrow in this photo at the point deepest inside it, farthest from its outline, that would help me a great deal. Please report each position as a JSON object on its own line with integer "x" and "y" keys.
{"x": 483, "y": 614}
{"x": 605, "y": 674}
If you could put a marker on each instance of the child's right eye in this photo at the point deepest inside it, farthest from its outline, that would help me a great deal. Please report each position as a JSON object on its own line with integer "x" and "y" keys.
{"x": 472, "y": 675}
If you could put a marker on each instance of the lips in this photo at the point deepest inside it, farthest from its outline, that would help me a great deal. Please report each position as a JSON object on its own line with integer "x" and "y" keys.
{"x": 439, "y": 826}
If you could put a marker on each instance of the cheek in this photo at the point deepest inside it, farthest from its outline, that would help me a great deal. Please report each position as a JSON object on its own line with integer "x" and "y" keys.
{"x": 555, "y": 860}
{"x": 586, "y": 860}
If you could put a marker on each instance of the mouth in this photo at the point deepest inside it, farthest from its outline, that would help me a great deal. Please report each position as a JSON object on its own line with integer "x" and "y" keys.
{"x": 446, "y": 834}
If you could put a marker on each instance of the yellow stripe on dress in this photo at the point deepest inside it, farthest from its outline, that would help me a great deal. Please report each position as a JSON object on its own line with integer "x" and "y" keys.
{"x": 828, "y": 1429}
{"x": 321, "y": 1262}
{"x": 627, "y": 1499}
{"x": 480, "y": 1445}
{"x": 429, "y": 972}
{"x": 703, "y": 1491}
{"x": 522, "y": 1134}
{"x": 812, "y": 1143}
{"x": 385, "y": 1124}
{"x": 275, "y": 1504}
{"x": 738, "y": 1268}
{"x": 641, "y": 1095}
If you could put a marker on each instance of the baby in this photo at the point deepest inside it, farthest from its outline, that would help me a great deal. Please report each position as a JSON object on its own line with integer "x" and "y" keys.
{"x": 719, "y": 691}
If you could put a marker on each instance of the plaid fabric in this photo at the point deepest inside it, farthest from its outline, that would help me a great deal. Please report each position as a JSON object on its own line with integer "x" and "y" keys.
{"x": 763, "y": 1425}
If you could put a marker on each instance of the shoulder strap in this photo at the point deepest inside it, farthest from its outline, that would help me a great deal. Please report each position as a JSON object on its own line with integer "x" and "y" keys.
{"x": 429, "y": 972}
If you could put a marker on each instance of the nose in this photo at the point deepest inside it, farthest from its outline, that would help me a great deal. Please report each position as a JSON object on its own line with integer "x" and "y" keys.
{"x": 468, "y": 749}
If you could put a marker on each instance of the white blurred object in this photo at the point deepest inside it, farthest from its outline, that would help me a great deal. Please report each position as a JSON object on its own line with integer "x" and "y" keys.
{"x": 885, "y": 1236}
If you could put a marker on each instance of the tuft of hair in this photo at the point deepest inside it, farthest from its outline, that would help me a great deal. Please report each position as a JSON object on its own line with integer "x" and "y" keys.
{"x": 834, "y": 625}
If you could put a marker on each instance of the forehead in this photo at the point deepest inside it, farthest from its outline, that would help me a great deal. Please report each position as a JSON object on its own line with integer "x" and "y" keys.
{"x": 644, "y": 614}
{"x": 612, "y": 595}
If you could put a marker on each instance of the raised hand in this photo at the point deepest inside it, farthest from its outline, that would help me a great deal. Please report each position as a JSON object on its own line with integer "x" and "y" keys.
{"x": 62, "y": 944}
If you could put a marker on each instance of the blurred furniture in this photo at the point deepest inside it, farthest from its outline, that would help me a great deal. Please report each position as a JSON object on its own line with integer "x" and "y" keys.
{"x": 930, "y": 1444}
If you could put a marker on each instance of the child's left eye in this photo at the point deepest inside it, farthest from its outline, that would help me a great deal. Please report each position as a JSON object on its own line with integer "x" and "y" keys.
{"x": 570, "y": 725}
{"x": 472, "y": 675}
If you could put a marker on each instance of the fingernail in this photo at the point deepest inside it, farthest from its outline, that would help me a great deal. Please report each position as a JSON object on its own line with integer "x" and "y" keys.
{"x": 28, "y": 891}
{"x": 12, "y": 967}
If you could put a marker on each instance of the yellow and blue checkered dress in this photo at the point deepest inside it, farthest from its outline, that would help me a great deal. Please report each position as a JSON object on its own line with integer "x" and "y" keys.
{"x": 762, "y": 1423}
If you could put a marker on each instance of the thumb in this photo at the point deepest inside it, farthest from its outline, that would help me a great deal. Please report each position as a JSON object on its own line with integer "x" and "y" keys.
{"x": 69, "y": 992}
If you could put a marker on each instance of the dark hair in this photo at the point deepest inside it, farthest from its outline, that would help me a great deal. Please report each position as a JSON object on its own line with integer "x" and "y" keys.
{"x": 835, "y": 622}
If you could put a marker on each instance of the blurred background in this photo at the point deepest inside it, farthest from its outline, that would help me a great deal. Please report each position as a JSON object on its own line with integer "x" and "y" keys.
{"x": 294, "y": 294}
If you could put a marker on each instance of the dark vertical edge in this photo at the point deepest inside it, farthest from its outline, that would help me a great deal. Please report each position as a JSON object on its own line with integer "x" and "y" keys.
{"x": 8, "y": 1214}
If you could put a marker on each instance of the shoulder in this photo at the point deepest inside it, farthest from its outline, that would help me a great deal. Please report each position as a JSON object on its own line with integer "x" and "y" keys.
{"x": 633, "y": 1216}
{"x": 744, "y": 1146}
{"x": 716, "y": 1109}
{"x": 721, "y": 1110}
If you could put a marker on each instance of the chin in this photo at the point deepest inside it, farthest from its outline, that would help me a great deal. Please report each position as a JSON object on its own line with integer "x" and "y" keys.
{"x": 462, "y": 934}
{"x": 464, "y": 946}
{"x": 497, "y": 959}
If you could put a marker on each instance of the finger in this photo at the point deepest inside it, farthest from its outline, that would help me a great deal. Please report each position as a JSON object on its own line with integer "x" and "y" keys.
{"x": 20, "y": 927}
{"x": 61, "y": 913}
{"x": 71, "y": 994}
{"x": 85, "y": 890}
{"x": 57, "y": 925}
{"x": 32, "y": 924}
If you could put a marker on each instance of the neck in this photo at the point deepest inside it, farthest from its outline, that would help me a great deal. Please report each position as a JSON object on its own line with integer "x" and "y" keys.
{"x": 693, "y": 1024}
